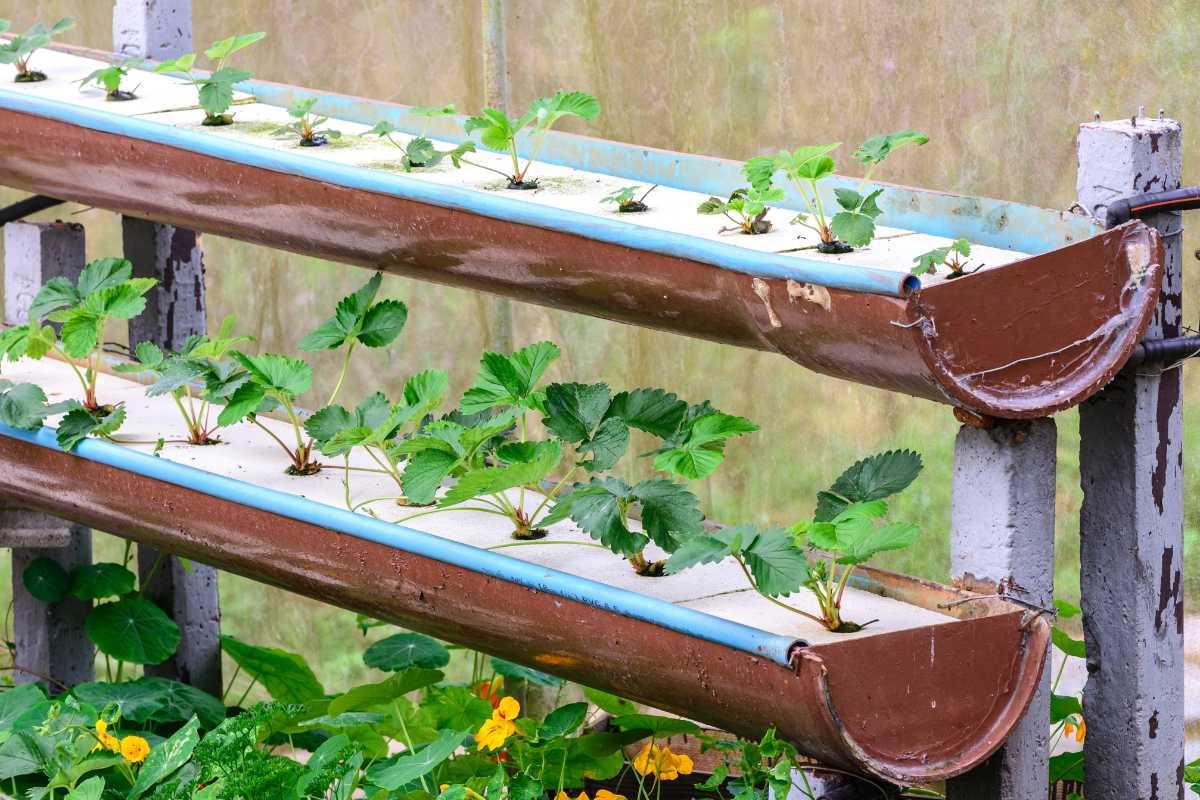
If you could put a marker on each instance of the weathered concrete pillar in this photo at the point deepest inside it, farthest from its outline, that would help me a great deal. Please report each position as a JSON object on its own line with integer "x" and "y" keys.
{"x": 192, "y": 600}
{"x": 49, "y": 638}
{"x": 158, "y": 29}
{"x": 1131, "y": 521}
{"x": 175, "y": 309}
{"x": 51, "y": 645}
{"x": 1002, "y": 533}
{"x": 35, "y": 252}
{"x": 173, "y": 257}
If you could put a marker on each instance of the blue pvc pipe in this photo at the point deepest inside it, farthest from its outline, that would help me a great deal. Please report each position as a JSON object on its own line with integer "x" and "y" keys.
{"x": 488, "y": 204}
{"x": 544, "y": 579}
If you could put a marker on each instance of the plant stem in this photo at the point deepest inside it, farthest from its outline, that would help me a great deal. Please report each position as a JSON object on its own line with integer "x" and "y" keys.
{"x": 342, "y": 375}
{"x": 544, "y": 541}
{"x": 780, "y": 603}
{"x": 271, "y": 433}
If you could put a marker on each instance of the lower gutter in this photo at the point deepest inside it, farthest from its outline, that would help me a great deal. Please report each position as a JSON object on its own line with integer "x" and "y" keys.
{"x": 913, "y": 706}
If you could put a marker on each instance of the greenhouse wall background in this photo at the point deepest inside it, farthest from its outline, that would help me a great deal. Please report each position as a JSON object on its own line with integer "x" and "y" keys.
{"x": 999, "y": 87}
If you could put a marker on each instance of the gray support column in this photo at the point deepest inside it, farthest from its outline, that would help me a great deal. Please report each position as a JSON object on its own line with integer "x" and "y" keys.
{"x": 1002, "y": 534}
{"x": 51, "y": 646}
{"x": 1131, "y": 521}
{"x": 49, "y": 638}
{"x": 35, "y": 252}
{"x": 173, "y": 257}
{"x": 495, "y": 95}
{"x": 158, "y": 29}
{"x": 175, "y": 310}
{"x": 192, "y": 600}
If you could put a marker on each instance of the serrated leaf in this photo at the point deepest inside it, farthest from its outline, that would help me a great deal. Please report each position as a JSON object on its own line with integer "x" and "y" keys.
{"x": 226, "y": 47}
{"x": 574, "y": 410}
{"x": 607, "y": 444}
{"x": 509, "y": 379}
{"x": 873, "y": 478}
{"x": 80, "y": 334}
{"x": 492, "y": 480}
{"x": 243, "y": 402}
{"x": 596, "y": 507}
{"x": 856, "y": 230}
{"x": 778, "y": 566}
{"x": 876, "y": 539}
{"x": 670, "y": 513}
{"x": 549, "y": 110}
{"x": 278, "y": 373}
{"x": 700, "y": 549}
{"x": 324, "y": 424}
{"x": 382, "y": 323}
{"x": 24, "y": 406}
{"x": 133, "y": 629}
{"x": 104, "y": 273}
{"x": 55, "y": 293}
{"x": 424, "y": 473}
{"x": 878, "y": 148}
{"x": 79, "y": 423}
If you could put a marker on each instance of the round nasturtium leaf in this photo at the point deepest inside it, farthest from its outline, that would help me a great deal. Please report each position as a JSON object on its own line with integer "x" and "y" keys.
{"x": 46, "y": 580}
{"x": 133, "y": 629}
{"x": 97, "y": 581}
{"x": 404, "y": 650}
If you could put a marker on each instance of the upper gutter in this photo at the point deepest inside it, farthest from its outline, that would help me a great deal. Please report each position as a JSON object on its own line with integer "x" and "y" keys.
{"x": 1025, "y": 340}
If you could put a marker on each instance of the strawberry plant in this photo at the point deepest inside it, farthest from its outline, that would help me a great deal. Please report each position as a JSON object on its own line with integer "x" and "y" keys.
{"x": 847, "y": 529}
{"x": 854, "y": 225}
{"x": 953, "y": 256}
{"x": 24, "y": 405}
{"x": 308, "y": 125}
{"x": 498, "y": 132}
{"x": 627, "y": 200}
{"x": 109, "y": 78}
{"x": 746, "y": 208}
{"x": 216, "y": 88}
{"x": 200, "y": 374}
{"x": 272, "y": 381}
{"x": 419, "y": 151}
{"x": 693, "y": 446}
{"x": 377, "y": 426}
{"x": 106, "y": 289}
{"x": 19, "y": 49}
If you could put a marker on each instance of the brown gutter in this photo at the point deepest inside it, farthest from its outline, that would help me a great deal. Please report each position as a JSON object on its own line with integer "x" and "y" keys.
{"x": 1024, "y": 340}
{"x": 911, "y": 707}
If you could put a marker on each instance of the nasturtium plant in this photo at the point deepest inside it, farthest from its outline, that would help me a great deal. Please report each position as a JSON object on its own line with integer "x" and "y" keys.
{"x": 498, "y": 132}
{"x": 109, "y": 78}
{"x": 627, "y": 200}
{"x": 952, "y": 256}
{"x": 307, "y": 125}
{"x": 106, "y": 289}
{"x": 746, "y": 208}
{"x": 216, "y": 88}
{"x": 852, "y": 226}
{"x": 18, "y": 49}
{"x": 200, "y": 374}
{"x": 848, "y": 528}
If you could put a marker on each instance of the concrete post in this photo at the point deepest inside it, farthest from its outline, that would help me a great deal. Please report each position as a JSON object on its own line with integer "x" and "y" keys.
{"x": 51, "y": 645}
{"x": 49, "y": 638}
{"x": 173, "y": 257}
{"x": 35, "y": 252}
{"x": 1131, "y": 521}
{"x": 1002, "y": 533}
{"x": 158, "y": 29}
{"x": 175, "y": 309}
{"x": 495, "y": 95}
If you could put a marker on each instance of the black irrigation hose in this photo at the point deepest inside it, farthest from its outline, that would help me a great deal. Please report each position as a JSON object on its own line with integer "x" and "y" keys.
{"x": 23, "y": 208}
{"x": 1164, "y": 351}
{"x": 1126, "y": 208}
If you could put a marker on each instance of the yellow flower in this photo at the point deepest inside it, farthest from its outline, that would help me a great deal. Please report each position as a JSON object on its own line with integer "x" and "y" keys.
{"x": 508, "y": 709}
{"x": 493, "y": 733}
{"x": 105, "y": 739}
{"x": 135, "y": 749}
{"x": 605, "y": 794}
{"x": 660, "y": 761}
{"x": 582, "y": 795}
{"x": 101, "y": 728}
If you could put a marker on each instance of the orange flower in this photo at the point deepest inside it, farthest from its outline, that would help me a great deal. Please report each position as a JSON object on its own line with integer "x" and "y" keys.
{"x": 1081, "y": 731}
{"x": 507, "y": 709}
{"x": 605, "y": 794}
{"x": 490, "y": 690}
{"x": 106, "y": 739}
{"x": 135, "y": 749}
{"x": 660, "y": 761}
